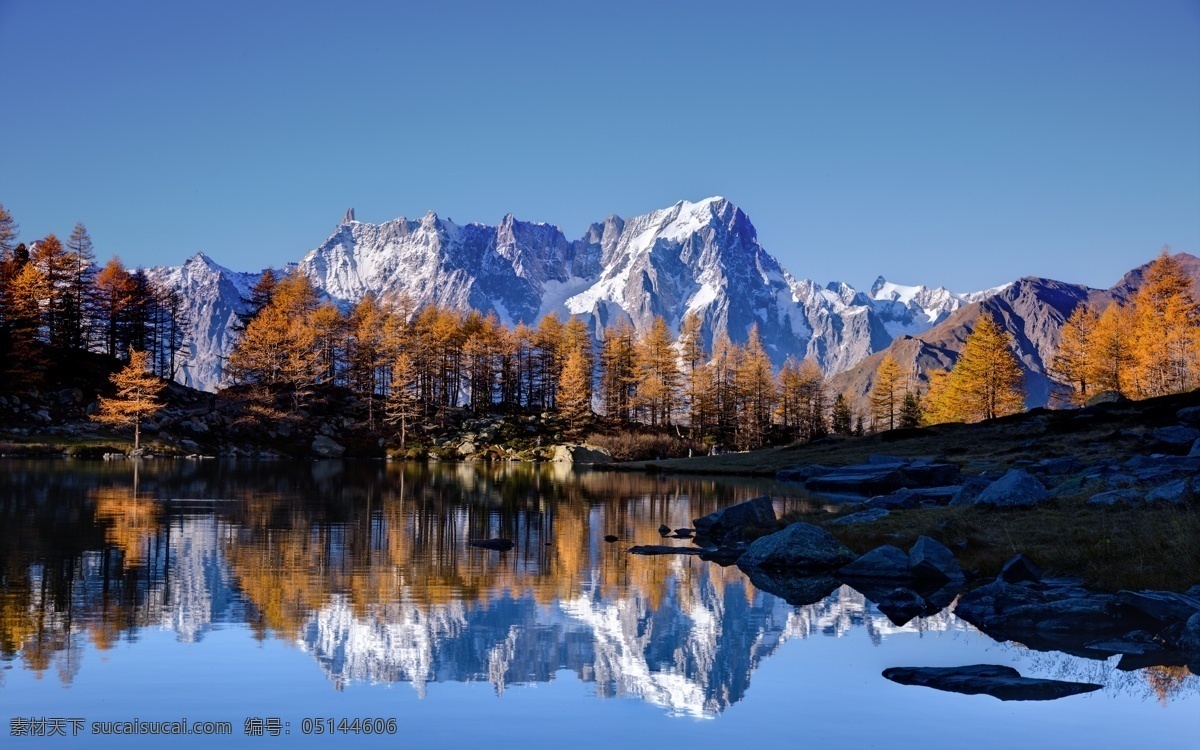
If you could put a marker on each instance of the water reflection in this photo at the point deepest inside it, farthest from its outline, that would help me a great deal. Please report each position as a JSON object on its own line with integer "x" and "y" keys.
{"x": 365, "y": 567}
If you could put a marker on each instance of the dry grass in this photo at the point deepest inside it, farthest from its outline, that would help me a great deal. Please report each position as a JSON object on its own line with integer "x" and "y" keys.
{"x": 1109, "y": 548}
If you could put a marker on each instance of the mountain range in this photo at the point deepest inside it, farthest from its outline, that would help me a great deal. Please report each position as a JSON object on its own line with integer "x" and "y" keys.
{"x": 702, "y": 257}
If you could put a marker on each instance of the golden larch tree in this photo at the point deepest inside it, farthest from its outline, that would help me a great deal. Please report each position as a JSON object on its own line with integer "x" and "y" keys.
{"x": 1164, "y": 326}
{"x": 1074, "y": 363}
{"x": 137, "y": 396}
{"x": 987, "y": 381}
{"x": 1111, "y": 352}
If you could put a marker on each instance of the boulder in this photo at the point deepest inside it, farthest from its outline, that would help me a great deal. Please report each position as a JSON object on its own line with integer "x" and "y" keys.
{"x": 801, "y": 547}
{"x": 1162, "y": 606}
{"x": 932, "y": 560}
{"x": 901, "y": 499}
{"x": 500, "y": 545}
{"x": 1189, "y": 415}
{"x": 1175, "y": 493}
{"x": 970, "y": 489}
{"x": 466, "y": 448}
{"x": 802, "y": 473}
{"x": 882, "y": 562}
{"x": 663, "y": 529}
{"x": 1106, "y": 397}
{"x": 756, "y": 513}
{"x": 326, "y": 447}
{"x": 581, "y": 454}
{"x": 1176, "y": 436}
{"x": 883, "y": 478}
{"x": 1115, "y": 497}
{"x": 610, "y": 538}
{"x": 1001, "y": 682}
{"x": 1062, "y": 465}
{"x": 901, "y": 605}
{"x": 862, "y": 516}
{"x": 1195, "y": 451}
{"x": 1019, "y": 569}
{"x": 1189, "y": 639}
{"x": 1016, "y": 489}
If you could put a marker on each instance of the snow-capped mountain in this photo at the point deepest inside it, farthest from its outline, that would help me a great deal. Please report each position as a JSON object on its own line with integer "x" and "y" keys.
{"x": 701, "y": 257}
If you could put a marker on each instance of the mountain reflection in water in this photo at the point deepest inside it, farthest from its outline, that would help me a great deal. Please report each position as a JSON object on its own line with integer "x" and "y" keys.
{"x": 365, "y": 567}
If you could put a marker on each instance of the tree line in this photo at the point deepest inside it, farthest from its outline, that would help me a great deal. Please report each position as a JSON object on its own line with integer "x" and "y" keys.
{"x": 53, "y": 294}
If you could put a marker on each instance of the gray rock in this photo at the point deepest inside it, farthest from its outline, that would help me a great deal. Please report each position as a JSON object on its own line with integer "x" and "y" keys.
{"x": 466, "y": 448}
{"x": 970, "y": 489}
{"x": 1175, "y": 493}
{"x": 1115, "y": 497}
{"x": 1016, "y": 489}
{"x": 802, "y": 473}
{"x": 1163, "y": 606}
{"x": 800, "y": 547}
{"x": 881, "y": 479}
{"x": 1106, "y": 397}
{"x": 932, "y": 560}
{"x": 901, "y": 499}
{"x": 1189, "y": 415}
{"x": 581, "y": 454}
{"x": 901, "y": 605}
{"x": 1189, "y": 639}
{"x": 1001, "y": 682}
{"x": 882, "y": 562}
{"x": 1063, "y": 465}
{"x": 1019, "y": 569}
{"x": 1195, "y": 451}
{"x": 881, "y": 458}
{"x": 326, "y": 447}
{"x": 663, "y": 529}
{"x": 1176, "y": 436}
{"x": 862, "y": 516}
{"x": 757, "y": 513}
{"x": 1121, "y": 481}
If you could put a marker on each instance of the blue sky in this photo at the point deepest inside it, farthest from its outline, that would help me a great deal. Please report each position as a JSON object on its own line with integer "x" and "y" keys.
{"x": 956, "y": 143}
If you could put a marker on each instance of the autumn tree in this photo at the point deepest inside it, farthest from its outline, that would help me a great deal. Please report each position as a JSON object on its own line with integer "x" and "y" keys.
{"x": 1112, "y": 359}
{"x": 657, "y": 373}
{"x": 112, "y": 295}
{"x": 55, "y": 264}
{"x": 1165, "y": 316}
{"x": 756, "y": 388}
{"x": 801, "y": 391}
{"x": 985, "y": 383}
{"x": 887, "y": 394}
{"x": 402, "y": 406}
{"x": 22, "y": 302}
{"x": 692, "y": 357}
{"x": 137, "y": 396}
{"x": 911, "y": 410}
{"x": 1074, "y": 364}
{"x": 575, "y": 391}
{"x": 260, "y": 296}
{"x": 618, "y": 378}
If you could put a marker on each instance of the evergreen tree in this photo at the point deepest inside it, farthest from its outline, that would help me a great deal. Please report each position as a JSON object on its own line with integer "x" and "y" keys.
{"x": 56, "y": 265}
{"x": 841, "y": 417}
{"x": 79, "y": 286}
{"x": 261, "y": 295}
{"x": 137, "y": 396}
{"x": 8, "y": 233}
{"x": 112, "y": 296}
{"x": 886, "y": 394}
{"x": 910, "y": 411}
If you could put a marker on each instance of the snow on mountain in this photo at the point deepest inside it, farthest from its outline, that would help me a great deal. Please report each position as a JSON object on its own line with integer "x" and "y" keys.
{"x": 214, "y": 297}
{"x": 702, "y": 257}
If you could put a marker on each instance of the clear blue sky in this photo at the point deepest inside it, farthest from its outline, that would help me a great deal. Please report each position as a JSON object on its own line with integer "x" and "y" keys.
{"x": 964, "y": 143}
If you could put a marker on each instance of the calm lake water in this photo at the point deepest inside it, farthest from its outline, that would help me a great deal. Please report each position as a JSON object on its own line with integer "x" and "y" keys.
{"x": 286, "y": 592}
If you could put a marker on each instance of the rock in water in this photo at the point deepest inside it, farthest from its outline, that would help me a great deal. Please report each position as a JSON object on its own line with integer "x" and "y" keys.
{"x": 326, "y": 447}
{"x": 901, "y": 605}
{"x": 500, "y": 545}
{"x": 801, "y": 547}
{"x": 663, "y": 549}
{"x": 610, "y": 538}
{"x": 796, "y": 590}
{"x": 756, "y": 513}
{"x": 930, "y": 559}
{"x": 882, "y": 562}
{"x": 664, "y": 529}
{"x": 1016, "y": 489}
{"x": 1001, "y": 682}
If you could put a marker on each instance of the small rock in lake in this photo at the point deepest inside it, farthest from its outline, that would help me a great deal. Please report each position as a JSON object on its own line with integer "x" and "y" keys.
{"x": 664, "y": 529}
{"x": 663, "y": 549}
{"x": 610, "y": 538}
{"x": 1001, "y": 682}
{"x": 500, "y": 545}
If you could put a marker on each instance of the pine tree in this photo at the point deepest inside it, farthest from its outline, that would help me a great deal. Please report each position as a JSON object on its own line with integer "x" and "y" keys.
{"x": 841, "y": 417}
{"x": 24, "y": 359}
{"x": 756, "y": 385}
{"x": 801, "y": 390}
{"x": 261, "y": 295}
{"x": 49, "y": 256}
{"x": 911, "y": 412}
{"x": 657, "y": 373}
{"x": 693, "y": 356}
{"x": 79, "y": 285}
{"x": 575, "y": 393}
{"x": 886, "y": 394}
{"x": 618, "y": 381}
{"x": 112, "y": 295}
{"x": 137, "y": 396}
{"x": 8, "y": 233}
{"x": 1074, "y": 361}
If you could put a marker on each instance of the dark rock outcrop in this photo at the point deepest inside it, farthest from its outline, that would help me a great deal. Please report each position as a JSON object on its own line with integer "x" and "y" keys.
{"x": 1016, "y": 489}
{"x": 662, "y": 549}
{"x": 1001, "y": 682}
{"x": 800, "y": 547}
{"x": 736, "y": 519}
{"x": 901, "y": 605}
{"x": 1020, "y": 569}
{"x": 932, "y": 560}
{"x": 885, "y": 562}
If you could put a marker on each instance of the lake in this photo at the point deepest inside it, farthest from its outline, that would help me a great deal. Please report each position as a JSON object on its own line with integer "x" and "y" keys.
{"x": 292, "y": 600}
